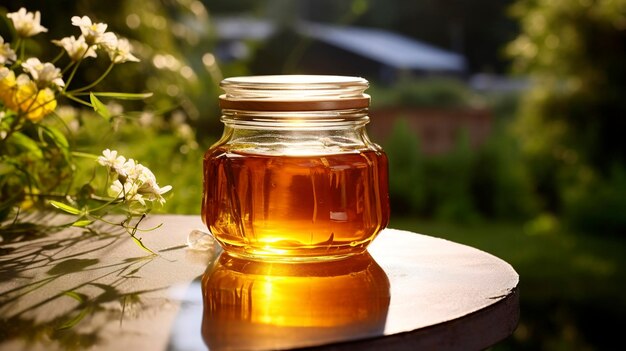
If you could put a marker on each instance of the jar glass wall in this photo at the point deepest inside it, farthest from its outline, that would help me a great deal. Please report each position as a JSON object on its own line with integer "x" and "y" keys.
{"x": 294, "y": 176}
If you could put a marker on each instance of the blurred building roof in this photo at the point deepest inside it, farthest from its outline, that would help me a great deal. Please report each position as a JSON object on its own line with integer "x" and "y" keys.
{"x": 386, "y": 47}
{"x": 243, "y": 28}
{"x": 390, "y": 49}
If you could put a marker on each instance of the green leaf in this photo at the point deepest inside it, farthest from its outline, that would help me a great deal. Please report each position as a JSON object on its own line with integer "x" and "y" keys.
{"x": 56, "y": 136}
{"x": 99, "y": 107}
{"x": 140, "y": 244}
{"x": 123, "y": 96}
{"x": 59, "y": 140}
{"x": 6, "y": 168}
{"x": 64, "y": 207}
{"x": 25, "y": 143}
{"x": 82, "y": 223}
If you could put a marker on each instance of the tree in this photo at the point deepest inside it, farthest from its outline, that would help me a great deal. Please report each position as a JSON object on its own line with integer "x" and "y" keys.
{"x": 572, "y": 120}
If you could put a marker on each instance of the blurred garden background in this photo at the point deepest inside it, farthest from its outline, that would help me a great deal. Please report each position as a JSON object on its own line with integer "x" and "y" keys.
{"x": 502, "y": 120}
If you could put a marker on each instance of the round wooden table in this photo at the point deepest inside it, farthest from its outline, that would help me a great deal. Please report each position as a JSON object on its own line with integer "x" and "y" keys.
{"x": 79, "y": 290}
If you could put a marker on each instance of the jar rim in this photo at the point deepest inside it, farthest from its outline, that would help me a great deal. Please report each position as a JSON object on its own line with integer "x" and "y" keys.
{"x": 294, "y": 93}
{"x": 295, "y": 82}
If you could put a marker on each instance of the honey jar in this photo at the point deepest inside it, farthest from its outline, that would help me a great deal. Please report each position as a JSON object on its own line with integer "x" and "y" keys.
{"x": 294, "y": 176}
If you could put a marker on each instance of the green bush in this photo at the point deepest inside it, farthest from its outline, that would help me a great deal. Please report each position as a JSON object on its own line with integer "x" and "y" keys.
{"x": 425, "y": 92}
{"x": 571, "y": 122}
{"x": 464, "y": 185}
{"x": 449, "y": 179}
{"x": 405, "y": 170}
{"x": 501, "y": 185}
{"x": 598, "y": 207}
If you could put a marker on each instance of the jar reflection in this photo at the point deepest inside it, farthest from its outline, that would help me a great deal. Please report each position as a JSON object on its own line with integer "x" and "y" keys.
{"x": 264, "y": 305}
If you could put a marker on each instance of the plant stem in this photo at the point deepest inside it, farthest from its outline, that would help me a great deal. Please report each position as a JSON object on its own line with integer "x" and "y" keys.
{"x": 19, "y": 47}
{"x": 58, "y": 57}
{"x": 69, "y": 80}
{"x": 96, "y": 82}
{"x": 71, "y": 97}
{"x": 15, "y": 126}
{"x": 108, "y": 202}
{"x": 84, "y": 154}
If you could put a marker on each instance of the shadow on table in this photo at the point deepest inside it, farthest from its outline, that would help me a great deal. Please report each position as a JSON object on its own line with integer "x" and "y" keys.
{"x": 50, "y": 283}
{"x": 256, "y": 305}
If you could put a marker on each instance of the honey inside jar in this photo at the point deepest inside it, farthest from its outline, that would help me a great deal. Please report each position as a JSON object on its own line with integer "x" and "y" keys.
{"x": 299, "y": 206}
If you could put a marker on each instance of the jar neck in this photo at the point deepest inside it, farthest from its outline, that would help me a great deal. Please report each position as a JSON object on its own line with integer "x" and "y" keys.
{"x": 315, "y": 135}
{"x": 295, "y": 120}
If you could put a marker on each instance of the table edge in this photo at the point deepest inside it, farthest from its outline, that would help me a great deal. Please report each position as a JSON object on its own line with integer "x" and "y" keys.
{"x": 475, "y": 331}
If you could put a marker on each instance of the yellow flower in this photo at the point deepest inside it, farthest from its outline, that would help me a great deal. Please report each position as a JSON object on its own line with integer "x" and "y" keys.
{"x": 33, "y": 103}
{"x": 22, "y": 96}
{"x": 7, "y": 86}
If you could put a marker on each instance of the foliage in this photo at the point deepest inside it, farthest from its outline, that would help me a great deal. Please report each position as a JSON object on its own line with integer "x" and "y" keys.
{"x": 501, "y": 186}
{"x": 599, "y": 205}
{"x": 450, "y": 179}
{"x": 425, "y": 92}
{"x": 405, "y": 170}
{"x": 572, "y": 120}
{"x": 175, "y": 40}
{"x": 463, "y": 185}
{"x": 168, "y": 147}
{"x": 38, "y": 168}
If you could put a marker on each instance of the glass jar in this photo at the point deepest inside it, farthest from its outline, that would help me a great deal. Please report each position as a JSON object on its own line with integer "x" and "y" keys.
{"x": 295, "y": 176}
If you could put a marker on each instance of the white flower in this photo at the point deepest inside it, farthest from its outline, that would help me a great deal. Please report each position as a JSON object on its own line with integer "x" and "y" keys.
{"x": 126, "y": 191}
{"x": 94, "y": 33}
{"x": 26, "y": 23}
{"x": 110, "y": 159}
{"x": 135, "y": 183}
{"x": 120, "y": 52}
{"x": 7, "y": 55}
{"x": 154, "y": 193}
{"x": 129, "y": 170}
{"x": 43, "y": 73}
{"x": 108, "y": 41}
{"x": 76, "y": 48}
{"x": 149, "y": 187}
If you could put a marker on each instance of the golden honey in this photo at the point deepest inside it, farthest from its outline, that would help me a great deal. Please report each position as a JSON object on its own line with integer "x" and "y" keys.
{"x": 306, "y": 206}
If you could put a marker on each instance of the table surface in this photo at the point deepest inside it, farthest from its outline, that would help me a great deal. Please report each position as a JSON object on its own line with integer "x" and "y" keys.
{"x": 75, "y": 290}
